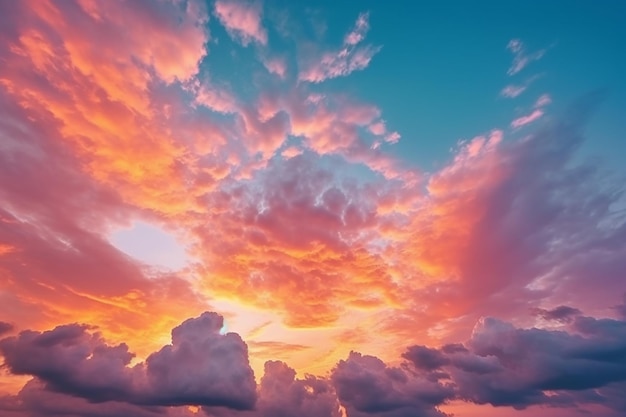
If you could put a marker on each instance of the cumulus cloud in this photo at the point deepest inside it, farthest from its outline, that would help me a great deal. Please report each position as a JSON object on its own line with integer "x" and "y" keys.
{"x": 583, "y": 363}
{"x": 200, "y": 367}
{"x": 503, "y": 365}
{"x": 281, "y": 394}
{"x": 242, "y": 20}
{"x": 5, "y": 327}
{"x": 366, "y": 386}
{"x": 352, "y": 56}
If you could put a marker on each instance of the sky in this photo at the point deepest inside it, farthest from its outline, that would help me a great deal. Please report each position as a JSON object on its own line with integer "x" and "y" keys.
{"x": 240, "y": 208}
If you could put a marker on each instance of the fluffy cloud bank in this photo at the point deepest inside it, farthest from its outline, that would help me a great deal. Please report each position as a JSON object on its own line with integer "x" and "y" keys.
{"x": 582, "y": 363}
{"x": 200, "y": 367}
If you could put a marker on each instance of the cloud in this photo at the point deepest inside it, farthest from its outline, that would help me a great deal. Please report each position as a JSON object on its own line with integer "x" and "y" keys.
{"x": 563, "y": 314}
{"x": 520, "y": 58}
{"x": 536, "y": 114}
{"x": 242, "y": 20}
{"x": 349, "y": 58}
{"x": 581, "y": 364}
{"x": 515, "y": 90}
{"x": 366, "y": 386}
{"x": 5, "y": 327}
{"x": 295, "y": 259}
{"x": 276, "y": 66}
{"x": 34, "y": 400}
{"x": 289, "y": 206}
{"x": 507, "y": 366}
{"x": 494, "y": 223}
{"x": 512, "y": 91}
{"x": 281, "y": 394}
{"x": 200, "y": 367}
{"x": 543, "y": 101}
{"x": 358, "y": 33}
{"x": 529, "y": 118}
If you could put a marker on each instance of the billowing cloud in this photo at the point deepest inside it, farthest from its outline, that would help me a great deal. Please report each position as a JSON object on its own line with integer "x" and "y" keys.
{"x": 35, "y": 400}
{"x": 5, "y": 327}
{"x": 282, "y": 394}
{"x": 242, "y": 20}
{"x": 200, "y": 367}
{"x": 580, "y": 364}
{"x": 506, "y": 366}
{"x": 349, "y": 58}
{"x": 366, "y": 386}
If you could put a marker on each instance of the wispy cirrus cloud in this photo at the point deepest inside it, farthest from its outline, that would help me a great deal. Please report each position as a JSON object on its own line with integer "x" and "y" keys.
{"x": 276, "y": 65}
{"x": 352, "y": 56}
{"x": 535, "y": 115}
{"x": 512, "y": 91}
{"x": 521, "y": 59}
{"x": 543, "y": 101}
{"x": 529, "y": 118}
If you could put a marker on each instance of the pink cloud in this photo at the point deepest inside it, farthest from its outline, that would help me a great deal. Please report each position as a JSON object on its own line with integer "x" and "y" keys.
{"x": 276, "y": 65}
{"x": 543, "y": 101}
{"x": 242, "y": 20}
{"x": 378, "y": 128}
{"x": 349, "y": 58}
{"x": 361, "y": 27}
{"x": 524, "y": 120}
{"x": 215, "y": 98}
{"x": 291, "y": 151}
{"x": 392, "y": 137}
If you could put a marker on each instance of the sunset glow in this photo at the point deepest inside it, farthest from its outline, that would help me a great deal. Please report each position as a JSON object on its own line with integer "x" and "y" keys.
{"x": 246, "y": 208}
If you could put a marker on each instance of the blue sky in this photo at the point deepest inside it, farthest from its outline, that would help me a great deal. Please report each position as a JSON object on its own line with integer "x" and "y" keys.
{"x": 438, "y": 76}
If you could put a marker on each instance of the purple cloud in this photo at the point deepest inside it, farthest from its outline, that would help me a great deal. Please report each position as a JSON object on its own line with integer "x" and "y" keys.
{"x": 503, "y": 365}
{"x": 5, "y": 327}
{"x": 366, "y": 386}
{"x": 563, "y": 314}
{"x": 200, "y": 367}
